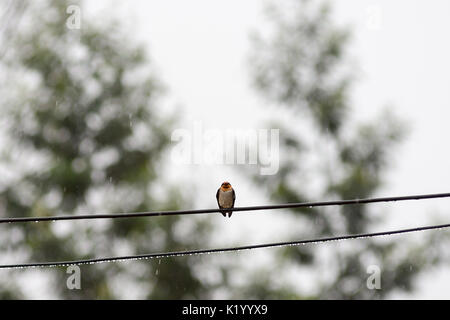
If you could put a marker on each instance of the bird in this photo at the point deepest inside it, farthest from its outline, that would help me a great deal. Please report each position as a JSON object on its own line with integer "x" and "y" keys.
{"x": 225, "y": 198}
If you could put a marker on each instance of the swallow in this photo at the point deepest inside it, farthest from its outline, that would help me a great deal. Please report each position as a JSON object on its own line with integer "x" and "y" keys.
{"x": 225, "y": 198}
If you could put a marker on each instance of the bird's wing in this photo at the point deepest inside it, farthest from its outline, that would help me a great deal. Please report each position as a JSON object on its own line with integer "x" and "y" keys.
{"x": 217, "y": 197}
{"x": 234, "y": 197}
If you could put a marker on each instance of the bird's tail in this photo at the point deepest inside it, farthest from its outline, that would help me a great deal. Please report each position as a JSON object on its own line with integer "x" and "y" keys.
{"x": 229, "y": 214}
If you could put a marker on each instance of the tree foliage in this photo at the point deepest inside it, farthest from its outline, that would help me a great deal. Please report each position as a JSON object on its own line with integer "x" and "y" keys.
{"x": 301, "y": 67}
{"x": 84, "y": 134}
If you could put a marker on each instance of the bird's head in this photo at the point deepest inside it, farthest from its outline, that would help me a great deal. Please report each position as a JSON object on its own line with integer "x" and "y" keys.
{"x": 225, "y": 186}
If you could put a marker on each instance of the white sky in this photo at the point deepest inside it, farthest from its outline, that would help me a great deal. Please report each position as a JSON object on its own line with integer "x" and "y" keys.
{"x": 201, "y": 47}
{"x": 402, "y": 47}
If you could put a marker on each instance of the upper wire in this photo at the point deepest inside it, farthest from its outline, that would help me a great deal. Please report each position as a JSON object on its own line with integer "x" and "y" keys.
{"x": 204, "y": 211}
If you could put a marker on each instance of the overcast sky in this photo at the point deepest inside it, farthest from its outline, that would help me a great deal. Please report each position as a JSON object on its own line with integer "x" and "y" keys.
{"x": 401, "y": 47}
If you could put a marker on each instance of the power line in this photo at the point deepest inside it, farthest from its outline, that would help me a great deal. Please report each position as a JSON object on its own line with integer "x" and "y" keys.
{"x": 221, "y": 250}
{"x": 204, "y": 211}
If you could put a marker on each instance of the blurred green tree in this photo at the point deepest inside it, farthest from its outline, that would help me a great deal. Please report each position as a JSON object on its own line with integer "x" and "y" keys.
{"x": 82, "y": 133}
{"x": 300, "y": 66}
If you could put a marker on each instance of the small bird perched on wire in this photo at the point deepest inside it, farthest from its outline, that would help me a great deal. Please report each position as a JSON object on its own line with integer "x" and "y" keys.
{"x": 225, "y": 198}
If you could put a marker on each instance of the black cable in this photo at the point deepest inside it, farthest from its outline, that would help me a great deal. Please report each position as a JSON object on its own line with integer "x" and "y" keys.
{"x": 203, "y": 211}
{"x": 219, "y": 250}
